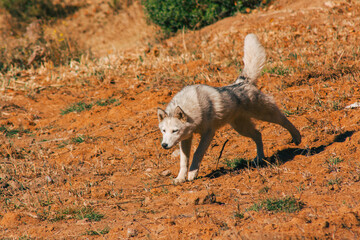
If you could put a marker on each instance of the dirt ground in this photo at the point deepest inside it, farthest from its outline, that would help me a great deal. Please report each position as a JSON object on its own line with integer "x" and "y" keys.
{"x": 101, "y": 172}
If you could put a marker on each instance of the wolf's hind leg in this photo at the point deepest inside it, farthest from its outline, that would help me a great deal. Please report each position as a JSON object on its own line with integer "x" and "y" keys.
{"x": 185, "y": 147}
{"x": 269, "y": 112}
{"x": 246, "y": 128}
{"x": 199, "y": 153}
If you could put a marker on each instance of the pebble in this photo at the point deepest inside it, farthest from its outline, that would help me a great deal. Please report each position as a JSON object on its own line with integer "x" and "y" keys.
{"x": 14, "y": 184}
{"x": 131, "y": 233}
{"x": 165, "y": 173}
{"x": 329, "y": 4}
{"x": 354, "y": 105}
{"x": 2, "y": 176}
{"x": 49, "y": 179}
{"x": 82, "y": 221}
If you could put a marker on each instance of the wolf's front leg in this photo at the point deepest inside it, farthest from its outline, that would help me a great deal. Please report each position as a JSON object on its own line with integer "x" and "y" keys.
{"x": 199, "y": 153}
{"x": 185, "y": 147}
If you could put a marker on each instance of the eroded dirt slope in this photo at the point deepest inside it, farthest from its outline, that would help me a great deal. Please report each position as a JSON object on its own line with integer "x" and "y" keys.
{"x": 73, "y": 173}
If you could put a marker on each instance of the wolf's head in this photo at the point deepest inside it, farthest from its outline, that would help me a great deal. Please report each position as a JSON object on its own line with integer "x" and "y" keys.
{"x": 174, "y": 128}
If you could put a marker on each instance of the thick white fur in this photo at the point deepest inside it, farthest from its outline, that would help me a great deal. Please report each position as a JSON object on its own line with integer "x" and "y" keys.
{"x": 254, "y": 58}
{"x": 203, "y": 109}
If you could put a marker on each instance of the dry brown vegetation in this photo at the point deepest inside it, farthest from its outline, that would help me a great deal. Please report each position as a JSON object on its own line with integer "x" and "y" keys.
{"x": 80, "y": 153}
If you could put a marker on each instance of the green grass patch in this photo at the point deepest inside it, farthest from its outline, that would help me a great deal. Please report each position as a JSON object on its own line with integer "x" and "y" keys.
{"x": 25, "y": 237}
{"x": 82, "y": 106}
{"x": 238, "y": 215}
{"x": 332, "y": 163}
{"x": 335, "y": 181}
{"x": 334, "y": 160}
{"x": 76, "y": 107}
{"x": 12, "y": 132}
{"x": 105, "y": 102}
{"x": 78, "y": 139}
{"x": 78, "y": 213}
{"x": 236, "y": 163}
{"x": 336, "y": 105}
{"x": 296, "y": 111}
{"x": 46, "y": 202}
{"x": 287, "y": 204}
{"x": 277, "y": 70}
{"x": 104, "y": 231}
{"x": 63, "y": 144}
{"x": 75, "y": 140}
{"x": 90, "y": 214}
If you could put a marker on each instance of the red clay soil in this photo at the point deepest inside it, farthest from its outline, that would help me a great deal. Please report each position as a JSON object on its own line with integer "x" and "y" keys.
{"x": 101, "y": 172}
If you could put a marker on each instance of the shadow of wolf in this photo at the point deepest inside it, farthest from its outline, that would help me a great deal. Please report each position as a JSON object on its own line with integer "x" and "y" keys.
{"x": 281, "y": 157}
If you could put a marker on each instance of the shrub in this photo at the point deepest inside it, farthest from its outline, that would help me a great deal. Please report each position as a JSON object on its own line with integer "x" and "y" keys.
{"x": 172, "y": 15}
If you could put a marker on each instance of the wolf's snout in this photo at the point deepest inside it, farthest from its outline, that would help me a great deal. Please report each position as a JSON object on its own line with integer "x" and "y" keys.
{"x": 165, "y": 145}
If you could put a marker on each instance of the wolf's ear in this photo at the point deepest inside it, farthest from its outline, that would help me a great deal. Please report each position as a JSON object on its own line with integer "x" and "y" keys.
{"x": 179, "y": 113}
{"x": 161, "y": 114}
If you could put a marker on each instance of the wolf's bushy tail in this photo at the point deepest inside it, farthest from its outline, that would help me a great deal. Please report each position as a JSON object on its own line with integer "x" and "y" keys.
{"x": 254, "y": 59}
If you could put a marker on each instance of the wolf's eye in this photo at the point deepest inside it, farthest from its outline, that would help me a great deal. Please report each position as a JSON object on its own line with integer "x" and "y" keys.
{"x": 163, "y": 130}
{"x": 175, "y": 130}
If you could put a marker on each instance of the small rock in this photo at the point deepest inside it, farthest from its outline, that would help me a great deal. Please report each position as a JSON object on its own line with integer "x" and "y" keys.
{"x": 354, "y": 105}
{"x": 329, "y": 4}
{"x": 208, "y": 199}
{"x": 32, "y": 215}
{"x": 82, "y": 221}
{"x": 2, "y": 176}
{"x": 160, "y": 229}
{"x": 14, "y": 185}
{"x": 165, "y": 173}
{"x": 49, "y": 179}
{"x": 131, "y": 233}
{"x": 148, "y": 170}
{"x": 147, "y": 201}
{"x": 326, "y": 224}
{"x": 196, "y": 198}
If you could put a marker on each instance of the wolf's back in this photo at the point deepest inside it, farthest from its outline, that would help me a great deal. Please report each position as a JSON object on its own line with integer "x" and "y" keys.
{"x": 254, "y": 59}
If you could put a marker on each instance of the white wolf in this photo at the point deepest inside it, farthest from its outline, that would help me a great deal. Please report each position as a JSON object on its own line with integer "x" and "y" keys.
{"x": 203, "y": 109}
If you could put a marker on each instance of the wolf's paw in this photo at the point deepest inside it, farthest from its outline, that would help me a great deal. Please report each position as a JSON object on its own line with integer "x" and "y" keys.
{"x": 192, "y": 175}
{"x": 178, "y": 180}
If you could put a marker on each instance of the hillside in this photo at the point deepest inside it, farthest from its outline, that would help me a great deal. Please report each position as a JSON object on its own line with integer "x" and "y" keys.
{"x": 80, "y": 146}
